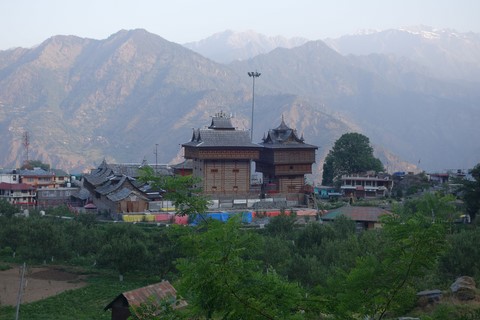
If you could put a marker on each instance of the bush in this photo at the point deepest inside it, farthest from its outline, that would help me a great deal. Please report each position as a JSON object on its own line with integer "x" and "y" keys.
{"x": 4, "y": 266}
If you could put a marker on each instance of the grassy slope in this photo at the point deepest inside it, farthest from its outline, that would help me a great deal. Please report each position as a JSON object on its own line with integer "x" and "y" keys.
{"x": 83, "y": 303}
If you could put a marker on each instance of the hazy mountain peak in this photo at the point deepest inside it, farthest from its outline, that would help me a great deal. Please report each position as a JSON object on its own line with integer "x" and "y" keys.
{"x": 228, "y": 46}
{"x": 363, "y": 32}
{"x": 426, "y": 32}
{"x": 457, "y": 53}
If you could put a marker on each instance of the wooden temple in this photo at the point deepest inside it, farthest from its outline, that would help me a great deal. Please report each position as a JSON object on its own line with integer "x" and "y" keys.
{"x": 221, "y": 156}
{"x": 284, "y": 160}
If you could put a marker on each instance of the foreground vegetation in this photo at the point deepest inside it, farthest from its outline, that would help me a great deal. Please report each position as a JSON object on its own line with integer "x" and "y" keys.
{"x": 321, "y": 271}
{"x": 84, "y": 303}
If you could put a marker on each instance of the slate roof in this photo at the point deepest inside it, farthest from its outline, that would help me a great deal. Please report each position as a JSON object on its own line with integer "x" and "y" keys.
{"x": 211, "y": 138}
{"x": 367, "y": 214}
{"x": 208, "y": 138}
{"x": 220, "y": 121}
{"x": 121, "y": 194}
{"x": 220, "y": 134}
{"x": 111, "y": 185}
{"x": 283, "y": 137}
{"x": 132, "y": 169}
{"x": 99, "y": 175}
{"x": 115, "y": 186}
{"x": 82, "y": 194}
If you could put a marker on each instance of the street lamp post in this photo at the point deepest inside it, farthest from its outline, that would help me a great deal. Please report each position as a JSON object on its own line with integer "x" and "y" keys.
{"x": 156, "y": 158}
{"x": 253, "y": 75}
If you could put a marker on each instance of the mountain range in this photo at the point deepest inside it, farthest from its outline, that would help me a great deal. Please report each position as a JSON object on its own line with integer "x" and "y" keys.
{"x": 82, "y": 100}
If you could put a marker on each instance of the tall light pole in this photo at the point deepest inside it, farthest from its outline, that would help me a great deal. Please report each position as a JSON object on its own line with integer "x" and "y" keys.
{"x": 156, "y": 158}
{"x": 253, "y": 75}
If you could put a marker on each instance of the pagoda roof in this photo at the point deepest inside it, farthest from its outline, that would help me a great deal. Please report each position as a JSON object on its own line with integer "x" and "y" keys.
{"x": 208, "y": 138}
{"x": 220, "y": 133}
{"x": 221, "y": 122}
{"x": 285, "y": 137}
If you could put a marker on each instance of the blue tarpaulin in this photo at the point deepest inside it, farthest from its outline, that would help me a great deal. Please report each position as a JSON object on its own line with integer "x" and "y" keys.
{"x": 222, "y": 216}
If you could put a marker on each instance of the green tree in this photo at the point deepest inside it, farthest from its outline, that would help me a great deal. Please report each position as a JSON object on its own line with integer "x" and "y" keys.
{"x": 13, "y": 233}
{"x": 384, "y": 281}
{"x": 124, "y": 248}
{"x": 36, "y": 164}
{"x": 462, "y": 255}
{"x": 221, "y": 280}
{"x": 471, "y": 192}
{"x": 153, "y": 309}
{"x": 46, "y": 239}
{"x": 351, "y": 153}
{"x": 7, "y": 209}
{"x": 183, "y": 191}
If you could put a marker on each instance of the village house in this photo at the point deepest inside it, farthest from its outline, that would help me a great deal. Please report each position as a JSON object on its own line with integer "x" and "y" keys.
{"x": 53, "y": 197}
{"x": 368, "y": 185}
{"x": 20, "y": 194}
{"x": 9, "y": 176}
{"x": 366, "y": 218}
{"x": 37, "y": 187}
{"x": 60, "y": 178}
{"x": 38, "y": 178}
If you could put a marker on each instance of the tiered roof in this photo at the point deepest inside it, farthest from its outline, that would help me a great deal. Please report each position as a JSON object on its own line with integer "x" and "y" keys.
{"x": 285, "y": 137}
{"x": 114, "y": 186}
{"x": 220, "y": 133}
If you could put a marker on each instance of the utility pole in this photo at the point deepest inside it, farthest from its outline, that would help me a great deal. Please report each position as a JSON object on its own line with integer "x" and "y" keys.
{"x": 20, "y": 291}
{"x": 26, "y": 144}
{"x": 156, "y": 158}
{"x": 253, "y": 75}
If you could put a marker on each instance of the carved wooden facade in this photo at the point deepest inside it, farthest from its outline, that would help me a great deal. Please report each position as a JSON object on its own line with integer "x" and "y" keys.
{"x": 285, "y": 159}
{"x": 221, "y": 157}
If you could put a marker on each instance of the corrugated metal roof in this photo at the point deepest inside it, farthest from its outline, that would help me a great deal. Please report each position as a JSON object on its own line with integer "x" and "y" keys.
{"x": 15, "y": 186}
{"x": 35, "y": 172}
{"x": 372, "y": 214}
{"x": 158, "y": 291}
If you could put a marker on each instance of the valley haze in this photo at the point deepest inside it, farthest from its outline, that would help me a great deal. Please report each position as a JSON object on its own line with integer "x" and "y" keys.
{"x": 412, "y": 91}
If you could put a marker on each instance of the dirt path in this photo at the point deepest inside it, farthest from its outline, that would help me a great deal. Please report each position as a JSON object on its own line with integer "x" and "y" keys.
{"x": 40, "y": 283}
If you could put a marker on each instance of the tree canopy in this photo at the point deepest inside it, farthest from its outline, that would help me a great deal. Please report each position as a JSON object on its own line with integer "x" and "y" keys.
{"x": 351, "y": 153}
{"x": 35, "y": 164}
{"x": 471, "y": 191}
{"x": 183, "y": 191}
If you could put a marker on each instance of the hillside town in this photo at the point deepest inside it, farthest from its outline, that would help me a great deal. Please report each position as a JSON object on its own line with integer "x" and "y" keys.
{"x": 240, "y": 160}
{"x": 235, "y": 174}
{"x": 231, "y": 196}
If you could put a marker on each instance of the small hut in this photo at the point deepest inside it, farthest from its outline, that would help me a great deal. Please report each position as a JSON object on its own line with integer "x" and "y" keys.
{"x": 154, "y": 293}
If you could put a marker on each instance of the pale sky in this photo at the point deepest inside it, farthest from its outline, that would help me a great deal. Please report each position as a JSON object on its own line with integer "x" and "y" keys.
{"x": 25, "y": 23}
